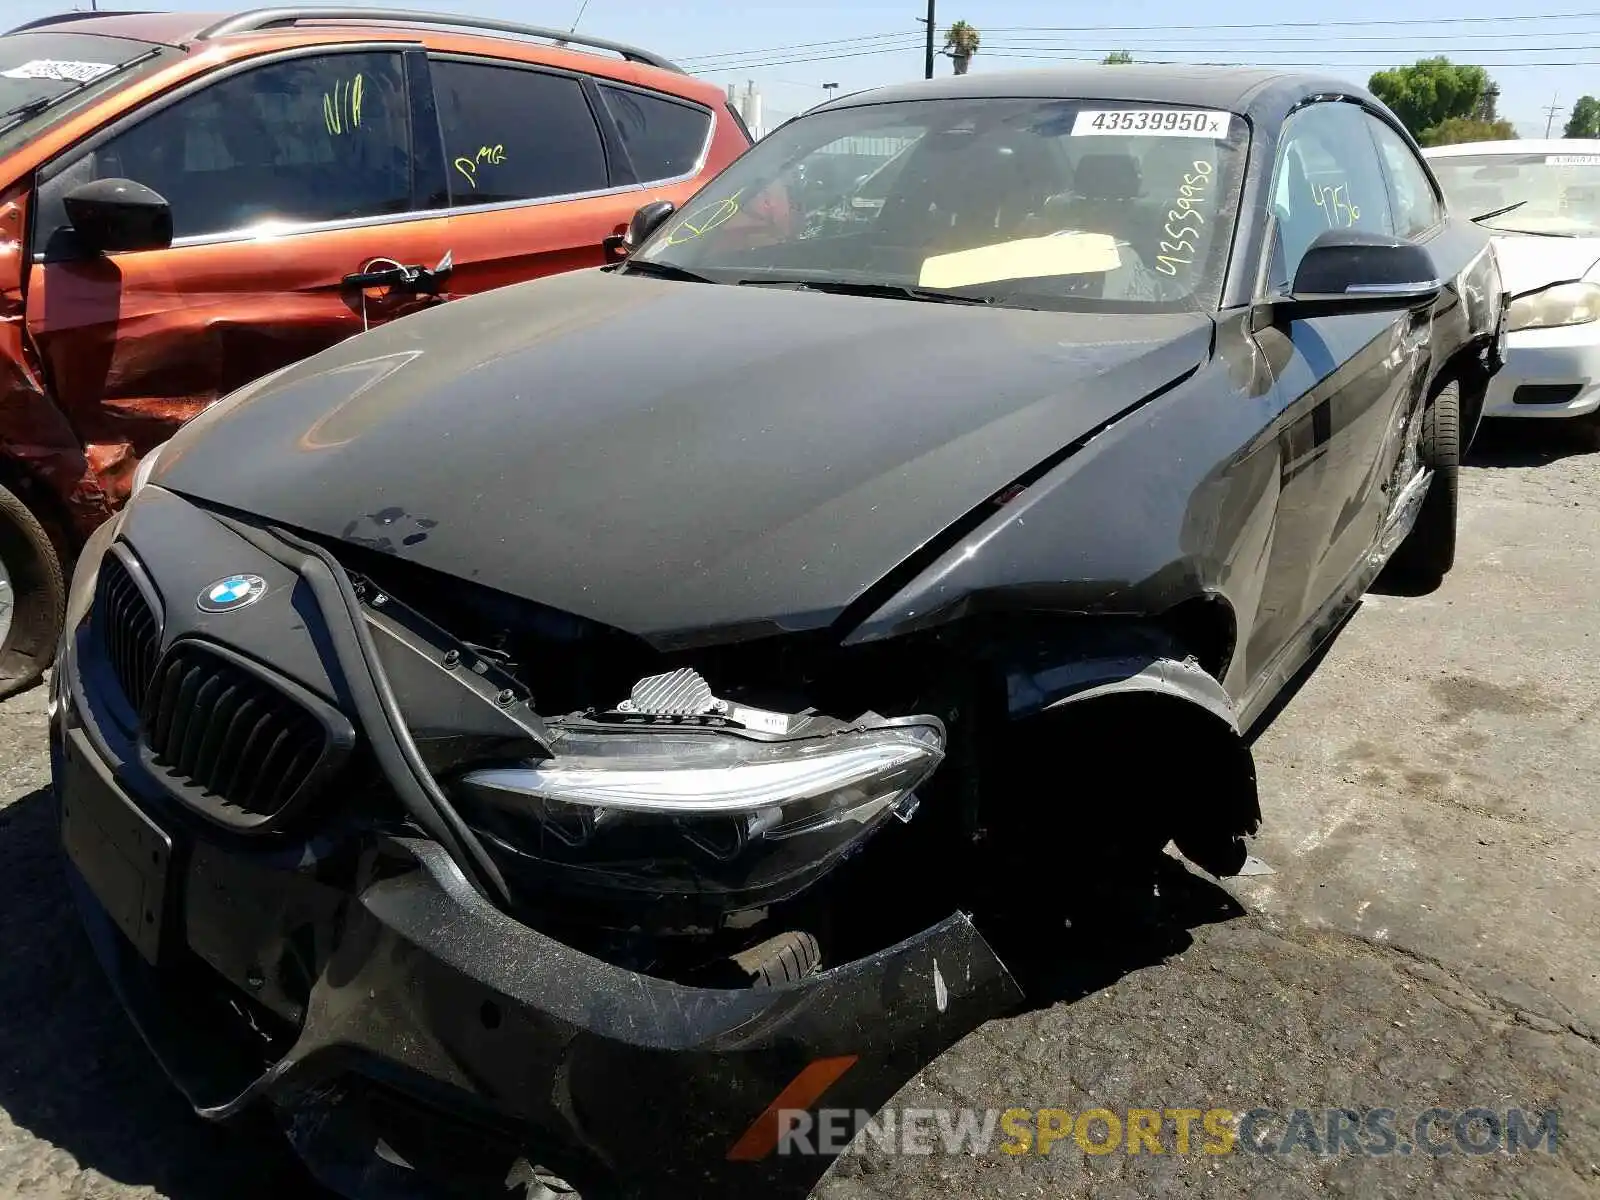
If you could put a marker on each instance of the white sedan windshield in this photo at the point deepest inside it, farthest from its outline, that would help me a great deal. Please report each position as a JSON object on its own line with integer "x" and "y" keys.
{"x": 1554, "y": 193}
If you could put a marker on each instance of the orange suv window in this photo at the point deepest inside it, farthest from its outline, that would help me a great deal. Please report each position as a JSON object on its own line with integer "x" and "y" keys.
{"x": 321, "y": 138}
{"x": 516, "y": 134}
{"x": 664, "y": 139}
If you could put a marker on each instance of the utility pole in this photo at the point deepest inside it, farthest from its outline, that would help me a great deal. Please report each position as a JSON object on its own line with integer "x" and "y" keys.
{"x": 927, "y": 71}
{"x": 828, "y": 89}
{"x": 1550, "y": 113}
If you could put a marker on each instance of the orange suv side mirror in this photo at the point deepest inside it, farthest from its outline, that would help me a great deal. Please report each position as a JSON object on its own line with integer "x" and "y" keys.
{"x": 118, "y": 214}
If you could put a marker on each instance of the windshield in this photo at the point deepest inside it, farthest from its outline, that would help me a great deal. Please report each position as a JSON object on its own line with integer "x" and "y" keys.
{"x": 1056, "y": 204}
{"x": 39, "y": 71}
{"x": 1557, "y": 193}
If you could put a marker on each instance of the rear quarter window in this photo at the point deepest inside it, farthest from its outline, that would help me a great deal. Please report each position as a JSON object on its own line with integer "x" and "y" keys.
{"x": 512, "y": 134}
{"x": 664, "y": 138}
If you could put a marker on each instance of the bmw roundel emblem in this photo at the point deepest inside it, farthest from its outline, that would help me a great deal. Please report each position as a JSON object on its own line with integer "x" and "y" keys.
{"x": 235, "y": 591}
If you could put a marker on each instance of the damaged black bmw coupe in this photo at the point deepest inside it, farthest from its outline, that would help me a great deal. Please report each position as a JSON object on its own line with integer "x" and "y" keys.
{"x": 554, "y": 734}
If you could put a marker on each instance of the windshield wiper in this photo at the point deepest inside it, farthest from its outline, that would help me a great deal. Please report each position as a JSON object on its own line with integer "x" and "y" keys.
{"x": 660, "y": 270}
{"x": 892, "y": 291}
{"x": 14, "y": 117}
{"x": 1498, "y": 212}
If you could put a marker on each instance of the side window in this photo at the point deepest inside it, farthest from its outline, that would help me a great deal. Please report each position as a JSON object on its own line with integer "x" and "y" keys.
{"x": 1327, "y": 177}
{"x": 663, "y": 138}
{"x": 1416, "y": 207}
{"x": 514, "y": 134}
{"x": 312, "y": 139}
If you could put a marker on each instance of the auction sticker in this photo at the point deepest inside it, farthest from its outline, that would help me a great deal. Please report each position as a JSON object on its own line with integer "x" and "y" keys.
{"x": 64, "y": 70}
{"x": 1153, "y": 122}
{"x": 1572, "y": 160}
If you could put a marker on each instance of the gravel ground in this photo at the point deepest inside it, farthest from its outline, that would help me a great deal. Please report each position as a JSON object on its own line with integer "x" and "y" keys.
{"x": 1427, "y": 936}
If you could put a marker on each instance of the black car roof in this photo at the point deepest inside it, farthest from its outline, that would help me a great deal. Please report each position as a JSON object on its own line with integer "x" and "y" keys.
{"x": 1235, "y": 89}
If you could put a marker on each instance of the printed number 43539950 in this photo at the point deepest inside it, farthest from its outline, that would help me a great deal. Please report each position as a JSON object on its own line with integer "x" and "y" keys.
{"x": 1152, "y": 122}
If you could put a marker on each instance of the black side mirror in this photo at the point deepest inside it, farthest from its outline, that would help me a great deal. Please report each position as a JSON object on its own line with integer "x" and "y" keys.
{"x": 646, "y": 221}
{"x": 118, "y": 214}
{"x": 1353, "y": 270}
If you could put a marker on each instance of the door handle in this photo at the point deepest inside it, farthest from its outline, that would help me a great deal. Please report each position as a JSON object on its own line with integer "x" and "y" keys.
{"x": 417, "y": 279}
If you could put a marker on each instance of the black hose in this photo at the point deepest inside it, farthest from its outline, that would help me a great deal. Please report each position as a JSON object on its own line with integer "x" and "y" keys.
{"x": 377, "y": 707}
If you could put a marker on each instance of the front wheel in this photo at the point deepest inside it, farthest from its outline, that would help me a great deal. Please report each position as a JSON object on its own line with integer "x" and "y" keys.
{"x": 32, "y": 596}
{"x": 1588, "y": 427}
{"x": 1423, "y": 560}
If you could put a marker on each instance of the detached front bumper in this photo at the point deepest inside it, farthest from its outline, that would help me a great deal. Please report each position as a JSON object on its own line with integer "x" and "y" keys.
{"x": 1548, "y": 373}
{"x": 415, "y": 1040}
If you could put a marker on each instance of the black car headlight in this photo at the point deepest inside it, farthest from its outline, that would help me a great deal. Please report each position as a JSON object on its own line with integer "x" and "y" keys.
{"x": 675, "y": 806}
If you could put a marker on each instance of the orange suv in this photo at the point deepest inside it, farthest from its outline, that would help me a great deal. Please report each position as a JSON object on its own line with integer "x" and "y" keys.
{"x": 188, "y": 202}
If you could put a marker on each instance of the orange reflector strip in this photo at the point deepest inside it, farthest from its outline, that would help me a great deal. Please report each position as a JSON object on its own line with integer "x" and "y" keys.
{"x": 804, "y": 1090}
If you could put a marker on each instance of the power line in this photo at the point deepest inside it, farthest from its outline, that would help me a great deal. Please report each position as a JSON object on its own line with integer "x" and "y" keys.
{"x": 1240, "y": 55}
{"x": 1286, "y": 50}
{"x": 1356, "y": 37}
{"x": 718, "y": 68}
{"x": 1367, "y": 22}
{"x": 1236, "y": 62}
{"x": 832, "y": 43}
{"x": 1145, "y": 29}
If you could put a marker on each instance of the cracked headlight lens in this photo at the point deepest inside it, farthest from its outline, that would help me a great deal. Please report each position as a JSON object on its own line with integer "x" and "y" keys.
{"x": 1563, "y": 304}
{"x": 709, "y": 813}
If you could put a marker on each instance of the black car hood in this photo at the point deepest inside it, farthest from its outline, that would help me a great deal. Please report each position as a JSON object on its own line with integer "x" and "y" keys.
{"x": 687, "y": 462}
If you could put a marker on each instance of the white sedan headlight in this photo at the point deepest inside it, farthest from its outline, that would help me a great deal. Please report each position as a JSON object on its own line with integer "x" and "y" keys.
{"x": 1563, "y": 304}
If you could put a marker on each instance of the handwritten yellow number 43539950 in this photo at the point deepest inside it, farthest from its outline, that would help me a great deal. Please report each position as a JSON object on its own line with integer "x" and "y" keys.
{"x": 494, "y": 155}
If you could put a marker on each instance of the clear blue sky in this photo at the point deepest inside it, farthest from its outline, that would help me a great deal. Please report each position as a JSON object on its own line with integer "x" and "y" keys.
{"x": 871, "y": 42}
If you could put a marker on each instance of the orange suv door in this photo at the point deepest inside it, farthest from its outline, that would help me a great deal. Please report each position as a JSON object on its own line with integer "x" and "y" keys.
{"x": 285, "y": 178}
{"x": 544, "y": 163}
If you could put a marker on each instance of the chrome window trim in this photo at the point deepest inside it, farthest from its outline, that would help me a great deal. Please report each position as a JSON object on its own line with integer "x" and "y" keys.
{"x": 298, "y": 229}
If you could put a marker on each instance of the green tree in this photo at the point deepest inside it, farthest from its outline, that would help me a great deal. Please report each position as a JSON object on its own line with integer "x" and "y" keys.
{"x": 1585, "y": 119}
{"x": 1431, "y": 91}
{"x": 1116, "y": 58}
{"x": 961, "y": 43}
{"x": 1467, "y": 129}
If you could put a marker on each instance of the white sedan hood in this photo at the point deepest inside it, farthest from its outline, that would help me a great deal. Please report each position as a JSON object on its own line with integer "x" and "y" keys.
{"x": 1529, "y": 262}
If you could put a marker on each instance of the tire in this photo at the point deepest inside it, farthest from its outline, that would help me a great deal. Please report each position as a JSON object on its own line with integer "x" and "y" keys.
{"x": 32, "y": 581}
{"x": 1589, "y": 430}
{"x": 1429, "y": 551}
{"x": 787, "y": 958}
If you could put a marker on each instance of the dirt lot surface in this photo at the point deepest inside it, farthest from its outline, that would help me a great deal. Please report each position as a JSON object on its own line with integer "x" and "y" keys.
{"x": 1429, "y": 934}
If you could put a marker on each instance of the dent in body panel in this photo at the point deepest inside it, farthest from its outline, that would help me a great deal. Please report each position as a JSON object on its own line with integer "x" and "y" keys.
{"x": 1340, "y": 382}
{"x": 1174, "y": 501}
{"x": 34, "y": 433}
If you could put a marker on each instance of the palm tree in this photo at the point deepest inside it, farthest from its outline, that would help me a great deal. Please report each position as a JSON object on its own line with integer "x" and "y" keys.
{"x": 961, "y": 43}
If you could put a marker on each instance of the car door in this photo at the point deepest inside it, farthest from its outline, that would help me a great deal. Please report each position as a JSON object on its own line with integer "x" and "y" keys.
{"x": 284, "y": 178}
{"x": 1462, "y": 254}
{"x": 1342, "y": 381}
{"x": 545, "y": 164}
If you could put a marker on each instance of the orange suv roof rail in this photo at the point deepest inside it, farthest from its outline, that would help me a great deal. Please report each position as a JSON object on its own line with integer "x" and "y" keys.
{"x": 266, "y": 18}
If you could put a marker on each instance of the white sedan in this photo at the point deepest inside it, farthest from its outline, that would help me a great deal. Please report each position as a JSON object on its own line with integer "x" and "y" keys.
{"x": 1546, "y": 197}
